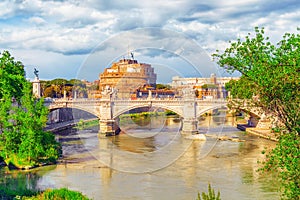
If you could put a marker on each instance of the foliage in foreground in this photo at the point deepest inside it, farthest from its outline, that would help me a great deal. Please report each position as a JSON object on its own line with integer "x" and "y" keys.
{"x": 286, "y": 157}
{"x": 57, "y": 194}
{"x": 271, "y": 80}
{"x": 210, "y": 195}
{"x": 22, "y": 119}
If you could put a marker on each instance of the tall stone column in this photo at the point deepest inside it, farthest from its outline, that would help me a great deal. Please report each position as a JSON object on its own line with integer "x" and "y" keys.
{"x": 36, "y": 87}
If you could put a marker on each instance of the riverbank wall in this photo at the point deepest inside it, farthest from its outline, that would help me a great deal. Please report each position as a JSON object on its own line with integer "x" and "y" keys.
{"x": 264, "y": 133}
{"x": 261, "y": 132}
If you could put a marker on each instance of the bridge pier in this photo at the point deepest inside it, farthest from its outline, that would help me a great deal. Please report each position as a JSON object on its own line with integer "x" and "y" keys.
{"x": 189, "y": 123}
{"x": 189, "y": 126}
{"x": 109, "y": 127}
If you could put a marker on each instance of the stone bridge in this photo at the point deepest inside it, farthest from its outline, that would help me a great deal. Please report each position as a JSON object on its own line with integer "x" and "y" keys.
{"x": 109, "y": 109}
{"x": 256, "y": 115}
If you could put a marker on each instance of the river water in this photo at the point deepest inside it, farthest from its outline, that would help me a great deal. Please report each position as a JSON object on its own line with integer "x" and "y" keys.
{"x": 151, "y": 160}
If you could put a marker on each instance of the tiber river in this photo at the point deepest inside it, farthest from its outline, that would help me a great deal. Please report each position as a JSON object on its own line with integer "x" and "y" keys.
{"x": 151, "y": 160}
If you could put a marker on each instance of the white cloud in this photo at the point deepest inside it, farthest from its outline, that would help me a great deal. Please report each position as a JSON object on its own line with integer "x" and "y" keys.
{"x": 7, "y": 9}
{"x": 73, "y": 28}
{"x": 36, "y": 20}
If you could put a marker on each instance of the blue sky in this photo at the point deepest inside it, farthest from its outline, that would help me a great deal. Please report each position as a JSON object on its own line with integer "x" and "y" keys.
{"x": 78, "y": 39}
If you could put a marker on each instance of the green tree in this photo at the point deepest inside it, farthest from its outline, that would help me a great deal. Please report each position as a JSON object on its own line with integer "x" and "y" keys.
{"x": 36, "y": 145}
{"x": 49, "y": 92}
{"x": 163, "y": 86}
{"x": 12, "y": 76}
{"x": 22, "y": 118}
{"x": 270, "y": 73}
{"x": 55, "y": 88}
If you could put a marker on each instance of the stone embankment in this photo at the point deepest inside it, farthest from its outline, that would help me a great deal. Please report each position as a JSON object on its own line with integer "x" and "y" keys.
{"x": 226, "y": 138}
{"x": 264, "y": 132}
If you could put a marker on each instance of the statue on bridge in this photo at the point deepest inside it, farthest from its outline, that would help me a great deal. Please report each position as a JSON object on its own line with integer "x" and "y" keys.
{"x": 36, "y": 73}
{"x": 109, "y": 93}
{"x": 188, "y": 93}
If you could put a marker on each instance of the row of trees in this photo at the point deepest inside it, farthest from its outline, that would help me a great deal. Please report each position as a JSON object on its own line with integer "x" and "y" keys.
{"x": 271, "y": 74}
{"x": 22, "y": 119}
{"x": 56, "y": 88}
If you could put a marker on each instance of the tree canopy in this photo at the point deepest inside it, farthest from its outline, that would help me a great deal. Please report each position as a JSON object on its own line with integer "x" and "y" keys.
{"x": 22, "y": 119}
{"x": 163, "y": 86}
{"x": 55, "y": 88}
{"x": 270, "y": 73}
{"x": 12, "y": 76}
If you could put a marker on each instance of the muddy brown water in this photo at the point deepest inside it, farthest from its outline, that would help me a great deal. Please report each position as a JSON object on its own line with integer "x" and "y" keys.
{"x": 153, "y": 161}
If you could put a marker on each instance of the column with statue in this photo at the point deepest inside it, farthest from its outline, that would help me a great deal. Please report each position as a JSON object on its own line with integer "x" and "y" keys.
{"x": 36, "y": 85}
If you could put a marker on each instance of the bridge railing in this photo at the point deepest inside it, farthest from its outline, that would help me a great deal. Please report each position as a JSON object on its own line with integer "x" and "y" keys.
{"x": 70, "y": 102}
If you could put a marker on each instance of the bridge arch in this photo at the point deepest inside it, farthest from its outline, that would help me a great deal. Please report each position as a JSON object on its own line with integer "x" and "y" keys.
{"x": 202, "y": 111}
{"x": 166, "y": 107}
{"x": 91, "y": 111}
{"x": 251, "y": 113}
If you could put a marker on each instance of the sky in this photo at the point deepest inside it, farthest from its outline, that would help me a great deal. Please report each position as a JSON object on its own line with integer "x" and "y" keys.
{"x": 79, "y": 39}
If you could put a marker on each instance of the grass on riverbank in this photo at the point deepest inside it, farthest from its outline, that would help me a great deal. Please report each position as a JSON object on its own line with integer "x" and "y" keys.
{"x": 85, "y": 124}
{"x": 143, "y": 118}
{"x": 139, "y": 115}
{"x": 16, "y": 162}
{"x": 56, "y": 194}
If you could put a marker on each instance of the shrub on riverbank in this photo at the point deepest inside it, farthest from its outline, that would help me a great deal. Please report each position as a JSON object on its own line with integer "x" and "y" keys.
{"x": 57, "y": 194}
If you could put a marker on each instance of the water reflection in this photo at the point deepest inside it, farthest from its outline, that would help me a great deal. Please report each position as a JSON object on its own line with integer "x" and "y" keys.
{"x": 158, "y": 133}
{"x": 14, "y": 182}
{"x": 229, "y": 166}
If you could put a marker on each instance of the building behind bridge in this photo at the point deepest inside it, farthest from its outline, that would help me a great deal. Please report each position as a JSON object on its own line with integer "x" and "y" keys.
{"x": 205, "y": 88}
{"x": 125, "y": 76}
{"x": 130, "y": 79}
{"x": 147, "y": 91}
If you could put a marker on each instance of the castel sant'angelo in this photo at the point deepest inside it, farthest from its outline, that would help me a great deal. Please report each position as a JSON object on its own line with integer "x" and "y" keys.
{"x": 125, "y": 76}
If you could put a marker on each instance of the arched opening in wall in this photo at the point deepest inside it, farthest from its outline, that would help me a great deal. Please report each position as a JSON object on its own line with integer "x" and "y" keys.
{"x": 79, "y": 114}
{"x": 216, "y": 121}
{"x": 246, "y": 119}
